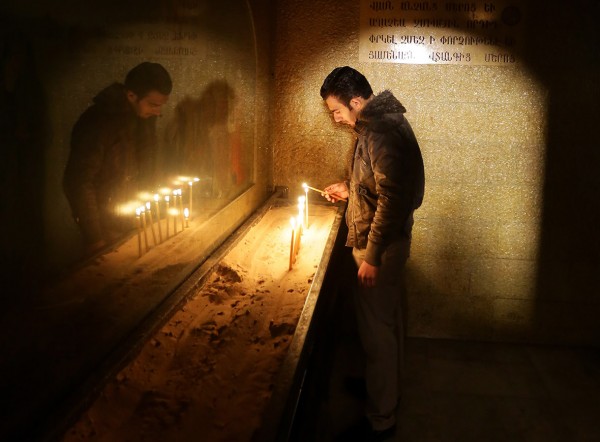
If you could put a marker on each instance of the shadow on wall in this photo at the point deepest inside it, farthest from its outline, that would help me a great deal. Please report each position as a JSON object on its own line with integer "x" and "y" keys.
{"x": 564, "y": 305}
{"x": 567, "y": 303}
{"x": 204, "y": 135}
{"x": 22, "y": 138}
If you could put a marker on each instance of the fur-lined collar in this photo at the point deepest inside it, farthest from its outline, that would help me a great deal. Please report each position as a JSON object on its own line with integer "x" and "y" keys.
{"x": 381, "y": 113}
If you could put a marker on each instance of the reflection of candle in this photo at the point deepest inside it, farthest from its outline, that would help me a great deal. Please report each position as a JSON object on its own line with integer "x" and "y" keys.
{"x": 180, "y": 193}
{"x": 139, "y": 230}
{"x": 186, "y": 214}
{"x": 292, "y": 254}
{"x": 174, "y": 211}
{"x": 149, "y": 210}
{"x": 156, "y": 198}
{"x": 143, "y": 212}
{"x": 167, "y": 198}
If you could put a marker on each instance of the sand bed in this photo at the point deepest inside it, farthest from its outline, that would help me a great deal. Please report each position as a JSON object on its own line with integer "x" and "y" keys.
{"x": 208, "y": 373}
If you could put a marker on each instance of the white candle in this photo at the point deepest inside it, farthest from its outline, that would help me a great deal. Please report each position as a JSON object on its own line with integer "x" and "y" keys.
{"x": 292, "y": 245}
{"x": 298, "y": 233}
{"x": 305, "y": 205}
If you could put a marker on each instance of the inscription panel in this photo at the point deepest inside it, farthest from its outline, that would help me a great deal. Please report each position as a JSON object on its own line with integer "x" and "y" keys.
{"x": 441, "y": 32}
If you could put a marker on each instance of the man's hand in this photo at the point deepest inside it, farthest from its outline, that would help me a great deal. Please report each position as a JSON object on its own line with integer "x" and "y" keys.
{"x": 367, "y": 275}
{"x": 336, "y": 192}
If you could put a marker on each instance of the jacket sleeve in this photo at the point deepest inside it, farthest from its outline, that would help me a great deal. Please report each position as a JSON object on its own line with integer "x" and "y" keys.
{"x": 391, "y": 165}
{"x": 83, "y": 167}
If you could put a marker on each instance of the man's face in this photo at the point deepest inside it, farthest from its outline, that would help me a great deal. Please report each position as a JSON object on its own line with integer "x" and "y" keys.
{"x": 341, "y": 113}
{"x": 148, "y": 106}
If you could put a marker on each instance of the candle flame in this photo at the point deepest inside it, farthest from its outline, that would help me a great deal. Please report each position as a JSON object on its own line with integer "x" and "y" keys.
{"x": 167, "y": 198}
{"x": 127, "y": 208}
{"x": 293, "y": 222}
{"x": 186, "y": 212}
{"x": 144, "y": 196}
{"x": 156, "y": 197}
{"x": 138, "y": 211}
{"x": 305, "y": 187}
{"x": 196, "y": 179}
{"x": 148, "y": 205}
{"x": 164, "y": 190}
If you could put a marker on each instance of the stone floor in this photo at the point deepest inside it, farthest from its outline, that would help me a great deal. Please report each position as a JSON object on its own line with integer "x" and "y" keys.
{"x": 466, "y": 391}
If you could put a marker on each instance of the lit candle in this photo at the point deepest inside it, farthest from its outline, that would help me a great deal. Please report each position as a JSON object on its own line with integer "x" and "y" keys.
{"x": 156, "y": 199}
{"x": 186, "y": 214}
{"x": 305, "y": 204}
{"x": 292, "y": 254}
{"x": 303, "y": 208}
{"x": 167, "y": 198}
{"x": 149, "y": 210}
{"x": 298, "y": 233}
{"x": 139, "y": 230}
{"x": 143, "y": 214}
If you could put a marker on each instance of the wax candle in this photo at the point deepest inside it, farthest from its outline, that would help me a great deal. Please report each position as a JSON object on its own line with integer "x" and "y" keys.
{"x": 156, "y": 200}
{"x": 298, "y": 233}
{"x": 167, "y": 198}
{"x": 302, "y": 209}
{"x": 292, "y": 245}
{"x": 305, "y": 205}
{"x": 139, "y": 231}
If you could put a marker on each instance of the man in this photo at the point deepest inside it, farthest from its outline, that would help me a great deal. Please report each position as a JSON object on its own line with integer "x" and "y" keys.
{"x": 112, "y": 152}
{"x": 385, "y": 187}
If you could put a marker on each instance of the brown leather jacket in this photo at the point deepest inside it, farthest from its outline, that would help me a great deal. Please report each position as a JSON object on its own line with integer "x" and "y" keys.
{"x": 387, "y": 181}
{"x": 111, "y": 158}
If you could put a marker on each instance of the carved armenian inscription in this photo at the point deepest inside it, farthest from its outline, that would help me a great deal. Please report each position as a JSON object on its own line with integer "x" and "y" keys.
{"x": 440, "y": 32}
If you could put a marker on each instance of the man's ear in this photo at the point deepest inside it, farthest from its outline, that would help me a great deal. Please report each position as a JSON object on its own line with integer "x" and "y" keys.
{"x": 356, "y": 103}
{"x": 132, "y": 97}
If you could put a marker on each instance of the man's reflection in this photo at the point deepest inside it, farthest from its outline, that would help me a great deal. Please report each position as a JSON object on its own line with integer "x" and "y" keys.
{"x": 113, "y": 146}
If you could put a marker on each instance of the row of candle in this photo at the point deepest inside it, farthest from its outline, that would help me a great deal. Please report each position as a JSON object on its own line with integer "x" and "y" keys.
{"x": 174, "y": 211}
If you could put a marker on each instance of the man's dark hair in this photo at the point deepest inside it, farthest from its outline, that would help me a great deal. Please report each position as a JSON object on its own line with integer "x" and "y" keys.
{"x": 346, "y": 83}
{"x": 147, "y": 77}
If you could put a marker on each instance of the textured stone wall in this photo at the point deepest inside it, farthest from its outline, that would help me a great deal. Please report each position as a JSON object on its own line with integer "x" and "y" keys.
{"x": 505, "y": 242}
